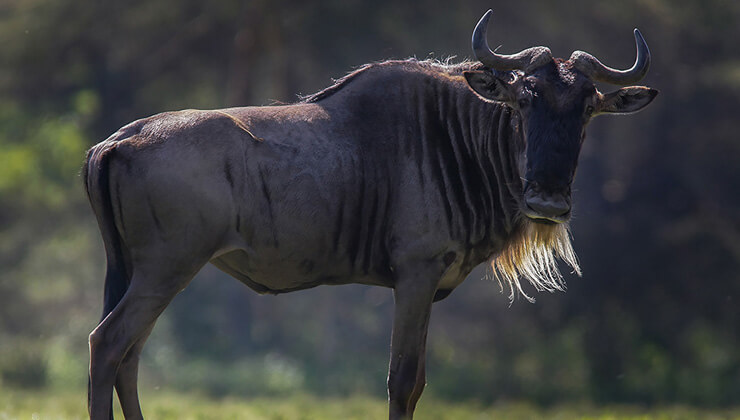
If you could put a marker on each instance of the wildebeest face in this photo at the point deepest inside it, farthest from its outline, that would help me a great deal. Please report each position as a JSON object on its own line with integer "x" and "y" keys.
{"x": 554, "y": 99}
{"x": 554, "y": 102}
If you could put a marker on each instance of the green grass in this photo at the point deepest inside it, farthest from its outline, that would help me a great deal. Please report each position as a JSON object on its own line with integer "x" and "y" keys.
{"x": 47, "y": 405}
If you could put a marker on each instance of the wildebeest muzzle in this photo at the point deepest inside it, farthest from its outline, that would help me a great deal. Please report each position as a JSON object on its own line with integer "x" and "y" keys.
{"x": 545, "y": 206}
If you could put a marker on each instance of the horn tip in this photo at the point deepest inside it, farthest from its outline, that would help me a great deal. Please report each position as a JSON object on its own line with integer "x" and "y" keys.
{"x": 640, "y": 41}
{"x": 479, "y": 33}
{"x": 486, "y": 16}
{"x": 638, "y": 35}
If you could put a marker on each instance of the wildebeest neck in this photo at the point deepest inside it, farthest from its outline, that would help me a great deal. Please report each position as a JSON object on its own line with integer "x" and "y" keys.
{"x": 461, "y": 151}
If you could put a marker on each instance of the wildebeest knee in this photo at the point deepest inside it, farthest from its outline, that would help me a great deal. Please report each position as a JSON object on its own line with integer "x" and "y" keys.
{"x": 105, "y": 353}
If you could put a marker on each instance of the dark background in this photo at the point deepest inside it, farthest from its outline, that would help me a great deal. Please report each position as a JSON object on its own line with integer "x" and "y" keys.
{"x": 654, "y": 319}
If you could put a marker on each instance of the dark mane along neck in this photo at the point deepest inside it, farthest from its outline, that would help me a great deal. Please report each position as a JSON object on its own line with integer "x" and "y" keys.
{"x": 430, "y": 65}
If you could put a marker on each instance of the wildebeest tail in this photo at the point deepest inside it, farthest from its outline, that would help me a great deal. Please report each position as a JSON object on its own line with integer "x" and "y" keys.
{"x": 97, "y": 185}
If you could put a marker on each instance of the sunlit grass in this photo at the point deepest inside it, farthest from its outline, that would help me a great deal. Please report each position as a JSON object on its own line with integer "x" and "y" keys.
{"x": 70, "y": 404}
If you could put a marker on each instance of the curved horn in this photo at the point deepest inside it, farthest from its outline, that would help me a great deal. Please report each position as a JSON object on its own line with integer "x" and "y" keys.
{"x": 592, "y": 67}
{"x": 526, "y": 60}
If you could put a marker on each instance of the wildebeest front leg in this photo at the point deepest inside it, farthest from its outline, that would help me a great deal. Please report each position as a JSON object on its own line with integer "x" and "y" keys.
{"x": 414, "y": 293}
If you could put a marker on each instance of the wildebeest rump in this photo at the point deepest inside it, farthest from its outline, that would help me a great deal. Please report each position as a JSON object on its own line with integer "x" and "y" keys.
{"x": 404, "y": 174}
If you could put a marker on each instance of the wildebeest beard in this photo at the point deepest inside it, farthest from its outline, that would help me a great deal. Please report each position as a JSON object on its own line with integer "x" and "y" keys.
{"x": 532, "y": 254}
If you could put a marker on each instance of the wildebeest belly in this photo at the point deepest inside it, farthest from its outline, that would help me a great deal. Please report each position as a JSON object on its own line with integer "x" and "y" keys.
{"x": 275, "y": 273}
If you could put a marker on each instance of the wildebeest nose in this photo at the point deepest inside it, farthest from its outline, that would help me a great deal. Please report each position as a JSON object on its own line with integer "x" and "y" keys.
{"x": 551, "y": 205}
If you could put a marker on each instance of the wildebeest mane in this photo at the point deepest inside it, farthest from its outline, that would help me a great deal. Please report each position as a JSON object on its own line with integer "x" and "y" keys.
{"x": 443, "y": 66}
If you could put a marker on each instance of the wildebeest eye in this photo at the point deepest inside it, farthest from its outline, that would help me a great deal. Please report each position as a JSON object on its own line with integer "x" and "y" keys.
{"x": 589, "y": 109}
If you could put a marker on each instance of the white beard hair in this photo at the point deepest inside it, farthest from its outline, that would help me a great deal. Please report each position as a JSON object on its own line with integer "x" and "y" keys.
{"x": 532, "y": 254}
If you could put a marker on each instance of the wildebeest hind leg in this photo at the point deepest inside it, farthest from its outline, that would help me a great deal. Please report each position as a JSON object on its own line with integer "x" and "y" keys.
{"x": 151, "y": 290}
{"x": 126, "y": 380}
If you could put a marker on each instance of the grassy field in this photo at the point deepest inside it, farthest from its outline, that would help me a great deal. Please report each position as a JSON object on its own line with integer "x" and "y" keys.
{"x": 163, "y": 405}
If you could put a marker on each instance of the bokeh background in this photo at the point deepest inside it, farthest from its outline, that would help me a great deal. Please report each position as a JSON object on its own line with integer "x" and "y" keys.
{"x": 654, "y": 319}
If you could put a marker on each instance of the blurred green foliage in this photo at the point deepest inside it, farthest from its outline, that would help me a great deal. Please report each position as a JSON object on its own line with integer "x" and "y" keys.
{"x": 654, "y": 319}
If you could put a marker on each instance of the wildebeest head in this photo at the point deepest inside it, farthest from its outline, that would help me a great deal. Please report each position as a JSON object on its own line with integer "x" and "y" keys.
{"x": 555, "y": 99}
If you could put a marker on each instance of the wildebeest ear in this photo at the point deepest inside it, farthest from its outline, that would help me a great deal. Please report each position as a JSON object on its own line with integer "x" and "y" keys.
{"x": 628, "y": 99}
{"x": 488, "y": 86}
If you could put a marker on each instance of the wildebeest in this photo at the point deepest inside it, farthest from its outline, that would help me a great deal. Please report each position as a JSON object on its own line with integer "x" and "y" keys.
{"x": 403, "y": 174}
